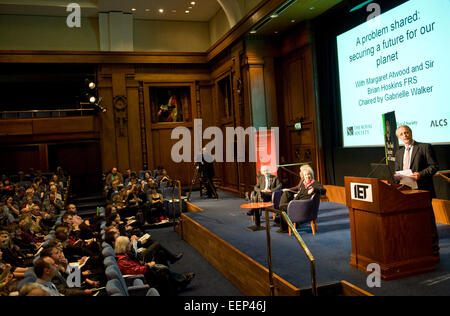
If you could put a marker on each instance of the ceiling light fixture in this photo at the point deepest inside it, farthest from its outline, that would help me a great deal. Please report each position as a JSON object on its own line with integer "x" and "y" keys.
{"x": 187, "y": 11}
{"x": 193, "y": 3}
{"x": 161, "y": 10}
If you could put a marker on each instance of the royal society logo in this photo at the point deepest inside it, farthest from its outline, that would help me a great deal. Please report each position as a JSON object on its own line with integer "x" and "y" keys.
{"x": 359, "y": 130}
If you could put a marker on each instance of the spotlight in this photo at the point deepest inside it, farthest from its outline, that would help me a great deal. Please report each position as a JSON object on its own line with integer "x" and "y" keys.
{"x": 91, "y": 84}
{"x": 99, "y": 106}
{"x": 92, "y": 99}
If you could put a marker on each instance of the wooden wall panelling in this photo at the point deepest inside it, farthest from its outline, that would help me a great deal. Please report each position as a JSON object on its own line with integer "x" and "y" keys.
{"x": 108, "y": 126}
{"x": 148, "y": 128}
{"x": 43, "y": 157}
{"x": 134, "y": 124}
{"x": 16, "y": 127}
{"x": 15, "y": 158}
{"x": 240, "y": 112}
{"x": 249, "y": 174}
{"x": 119, "y": 89}
{"x": 82, "y": 160}
{"x": 159, "y": 142}
{"x": 79, "y": 57}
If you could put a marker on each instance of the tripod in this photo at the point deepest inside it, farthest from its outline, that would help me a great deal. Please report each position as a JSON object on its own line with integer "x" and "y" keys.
{"x": 196, "y": 177}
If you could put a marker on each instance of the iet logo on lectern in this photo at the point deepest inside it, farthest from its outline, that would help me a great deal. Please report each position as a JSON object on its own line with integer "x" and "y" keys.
{"x": 361, "y": 192}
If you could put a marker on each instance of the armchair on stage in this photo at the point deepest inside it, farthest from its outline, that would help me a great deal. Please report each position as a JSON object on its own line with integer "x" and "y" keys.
{"x": 300, "y": 211}
{"x": 389, "y": 227}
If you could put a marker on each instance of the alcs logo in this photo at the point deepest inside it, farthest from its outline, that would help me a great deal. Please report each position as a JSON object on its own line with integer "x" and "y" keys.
{"x": 439, "y": 123}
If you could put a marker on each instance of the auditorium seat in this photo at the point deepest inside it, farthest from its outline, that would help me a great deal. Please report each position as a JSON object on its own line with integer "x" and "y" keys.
{"x": 138, "y": 288}
{"x": 276, "y": 198}
{"x": 300, "y": 211}
{"x": 108, "y": 261}
{"x": 108, "y": 252}
{"x": 114, "y": 288}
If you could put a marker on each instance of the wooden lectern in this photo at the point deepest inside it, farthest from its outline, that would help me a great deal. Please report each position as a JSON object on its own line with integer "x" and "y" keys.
{"x": 389, "y": 227}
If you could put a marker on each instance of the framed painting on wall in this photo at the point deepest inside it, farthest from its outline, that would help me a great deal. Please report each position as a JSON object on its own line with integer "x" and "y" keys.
{"x": 167, "y": 103}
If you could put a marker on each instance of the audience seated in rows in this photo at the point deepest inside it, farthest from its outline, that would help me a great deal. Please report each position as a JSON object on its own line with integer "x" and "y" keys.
{"x": 42, "y": 238}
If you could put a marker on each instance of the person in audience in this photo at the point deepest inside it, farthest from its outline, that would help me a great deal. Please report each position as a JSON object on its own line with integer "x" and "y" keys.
{"x": 45, "y": 269}
{"x": 56, "y": 191}
{"x": 30, "y": 198}
{"x": 60, "y": 278}
{"x": 58, "y": 183}
{"x": 132, "y": 181}
{"x": 154, "y": 211}
{"x": 114, "y": 190}
{"x": 12, "y": 254}
{"x": 136, "y": 198}
{"x": 113, "y": 175}
{"x": 308, "y": 188}
{"x": 52, "y": 206}
{"x": 167, "y": 282}
{"x": 115, "y": 220}
{"x": 12, "y": 207}
{"x": 33, "y": 289}
{"x": 119, "y": 200}
{"x": 6, "y": 276}
{"x": 6, "y": 218}
{"x": 151, "y": 250}
{"x": 21, "y": 240}
{"x": 30, "y": 224}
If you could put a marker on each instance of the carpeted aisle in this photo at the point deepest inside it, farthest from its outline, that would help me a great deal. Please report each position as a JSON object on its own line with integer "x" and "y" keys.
{"x": 208, "y": 281}
{"x": 331, "y": 247}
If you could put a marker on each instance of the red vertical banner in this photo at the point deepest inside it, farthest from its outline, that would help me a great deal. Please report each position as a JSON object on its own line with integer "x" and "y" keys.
{"x": 266, "y": 149}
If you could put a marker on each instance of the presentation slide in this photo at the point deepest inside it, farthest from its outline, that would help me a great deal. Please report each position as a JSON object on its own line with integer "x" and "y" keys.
{"x": 398, "y": 61}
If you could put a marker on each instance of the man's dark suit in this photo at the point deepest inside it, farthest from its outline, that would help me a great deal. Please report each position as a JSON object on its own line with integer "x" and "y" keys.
{"x": 274, "y": 185}
{"x": 423, "y": 160}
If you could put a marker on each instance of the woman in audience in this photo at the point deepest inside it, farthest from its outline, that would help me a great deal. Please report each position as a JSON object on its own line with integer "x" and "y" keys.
{"x": 155, "y": 211}
{"x": 12, "y": 207}
{"x": 6, "y": 218}
{"x": 6, "y": 276}
{"x": 13, "y": 254}
{"x": 158, "y": 276}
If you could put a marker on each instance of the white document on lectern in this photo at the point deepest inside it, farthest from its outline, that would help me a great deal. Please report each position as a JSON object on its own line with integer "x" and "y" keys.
{"x": 406, "y": 178}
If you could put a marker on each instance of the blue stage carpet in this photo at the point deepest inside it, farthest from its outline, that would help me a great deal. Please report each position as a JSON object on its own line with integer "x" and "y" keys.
{"x": 331, "y": 247}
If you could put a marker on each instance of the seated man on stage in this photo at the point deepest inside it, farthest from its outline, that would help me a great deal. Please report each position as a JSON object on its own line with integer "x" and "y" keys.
{"x": 267, "y": 184}
{"x": 307, "y": 188}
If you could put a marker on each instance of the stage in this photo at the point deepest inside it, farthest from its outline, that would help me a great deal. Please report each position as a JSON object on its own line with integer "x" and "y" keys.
{"x": 217, "y": 229}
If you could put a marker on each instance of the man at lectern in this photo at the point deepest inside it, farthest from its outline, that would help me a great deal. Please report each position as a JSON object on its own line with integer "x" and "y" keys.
{"x": 421, "y": 160}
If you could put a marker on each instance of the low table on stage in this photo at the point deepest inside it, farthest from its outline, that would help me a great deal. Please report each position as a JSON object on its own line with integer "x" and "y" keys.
{"x": 257, "y": 205}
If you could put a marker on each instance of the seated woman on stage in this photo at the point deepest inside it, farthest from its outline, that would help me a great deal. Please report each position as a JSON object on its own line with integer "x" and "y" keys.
{"x": 159, "y": 276}
{"x": 307, "y": 189}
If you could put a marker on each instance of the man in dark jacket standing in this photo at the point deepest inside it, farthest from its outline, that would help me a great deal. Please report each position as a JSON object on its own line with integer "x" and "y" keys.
{"x": 421, "y": 160}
